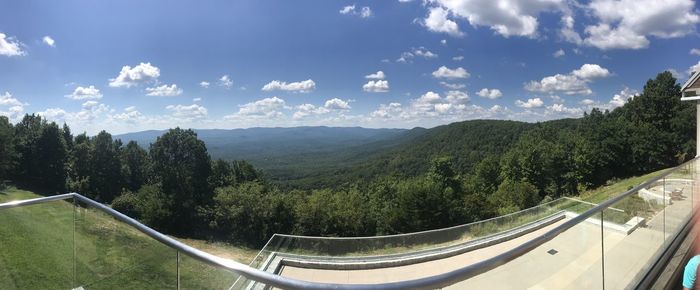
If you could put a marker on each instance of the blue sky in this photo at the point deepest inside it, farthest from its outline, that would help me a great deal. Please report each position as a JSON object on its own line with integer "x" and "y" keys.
{"x": 136, "y": 65}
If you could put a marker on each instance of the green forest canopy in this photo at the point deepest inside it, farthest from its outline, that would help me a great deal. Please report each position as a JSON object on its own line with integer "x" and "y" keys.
{"x": 439, "y": 177}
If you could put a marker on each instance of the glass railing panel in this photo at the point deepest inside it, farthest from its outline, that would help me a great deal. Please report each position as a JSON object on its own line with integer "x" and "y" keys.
{"x": 195, "y": 274}
{"x": 113, "y": 255}
{"x": 457, "y": 236}
{"x": 678, "y": 188}
{"x": 634, "y": 236}
{"x": 571, "y": 260}
{"x": 36, "y": 246}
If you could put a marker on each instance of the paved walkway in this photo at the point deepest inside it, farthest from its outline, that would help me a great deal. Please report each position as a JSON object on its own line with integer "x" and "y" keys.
{"x": 577, "y": 263}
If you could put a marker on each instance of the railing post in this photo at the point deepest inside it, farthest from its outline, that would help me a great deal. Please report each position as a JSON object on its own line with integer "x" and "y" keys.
{"x": 75, "y": 216}
{"x": 602, "y": 249}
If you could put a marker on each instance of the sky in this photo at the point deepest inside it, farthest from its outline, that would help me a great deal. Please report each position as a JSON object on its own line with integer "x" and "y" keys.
{"x": 126, "y": 66}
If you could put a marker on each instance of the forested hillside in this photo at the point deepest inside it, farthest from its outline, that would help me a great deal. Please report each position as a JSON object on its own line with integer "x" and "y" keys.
{"x": 421, "y": 179}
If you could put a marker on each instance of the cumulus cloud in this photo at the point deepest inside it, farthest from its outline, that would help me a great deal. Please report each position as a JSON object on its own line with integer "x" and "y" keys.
{"x": 563, "y": 111}
{"x": 128, "y": 76}
{"x": 190, "y": 112}
{"x": 49, "y": 41}
{"x": 444, "y": 72}
{"x": 164, "y": 91}
{"x": 567, "y": 31}
{"x": 85, "y": 93}
{"x": 530, "y": 103}
{"x": 506, "y": 17}
{"x": 204, "y": 84}
{"x": 621, "y": 98}
{"x": 376, "y": 86}
{"x": 332, "y": 105}
{"x": 376, "y": 76}
{"x": 490, "y": 93}
{"x": 408, "y": 56}
{"x": 437, "y": 21}
{"x": 695, "y": 51}
{"x": 387, "y": 111}
{"x": 626, "y": 24}
{"x": 224, "y": 81}
{"x": 302, "y": 86}
{"x": 337, "y": 104}
{"x": 10, "y": 46}
{"x": 458, "y": 58}
{"x": 362, "y": 12}
{"x": 559, "y": 53}
{"x": 574, "y": 83}
{"x": 11, "y": 107}
{"x": 267, "y": 107}
{"x": 587, "y": 102}
{"x": 694, "y": 68}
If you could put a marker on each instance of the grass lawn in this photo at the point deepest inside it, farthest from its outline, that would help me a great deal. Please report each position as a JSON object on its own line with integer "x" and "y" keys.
{"x": 51, "y": 246}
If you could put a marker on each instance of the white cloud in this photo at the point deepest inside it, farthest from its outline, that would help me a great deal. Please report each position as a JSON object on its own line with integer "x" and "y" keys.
{"x": 224, "y": 81}
{"x": 376, "y": 76}
{"x": 190, "y": 112}
{"x": 490, "y": 93}
{"x": 128, "y": 76}
{"x": 604, "y": 37}
{"x": 268, "y": 107}
{"x": 378, "y": 86}
{"x": 574, "y": 83}
{"x": 387, "y": 111}
{"x": 337, "y": 104}
{"x": 53, "y": 114}
{"x": 694, "y": 68}
{"x": 306, "y": 110}
{"x": 567, "y": 31}
{"x": 302, "y": 86}
{"x": 587, "y": 102}
{"x": 621, "y": 98}
{"x": 85, "y": 93}
{"x": 408, "y": 56}
{"x": 437, "y": 21}
{"x": 626, "y": 24}
{"x": 530, "y": 103}
{"x": 444, "y": 72}
{"x": 11, "y": 107}
{"x": 49, "y": 41}
{"x": 695, "y": 51}
{"x": 443, "y": 42}
{"x": 10, "y": 46}
{"x": 164, "y": 91}
{"x": 196, "y": 100}
{"x": 559, "y": 53}
{"x": 505, "y": 17}
{"x": 591, "y": 71}
{"x": 458, "y": 58}
{"x": 204, "y": 84}
{"x": 130, "y": 115}
{"x": 453, "y": 86}
{"x": 562, "y": 111}
{"x": 363, "y": 12}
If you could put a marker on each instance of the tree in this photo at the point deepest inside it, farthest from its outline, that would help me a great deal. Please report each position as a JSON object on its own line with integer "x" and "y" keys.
{"x": 27, "y": 133}
{"x": 134, "y": 161}
{"x": 52, "y": 152}
{"x": 105, "y": 177}
{"x": 80, "y": 166}
{"x": 513, "y": 195}
{"x": 7, "y": 149}
{"x": 182, "y": 165}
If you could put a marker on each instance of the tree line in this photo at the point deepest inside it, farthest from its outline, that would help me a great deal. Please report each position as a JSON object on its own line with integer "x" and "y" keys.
{"x": 175, "y": 187}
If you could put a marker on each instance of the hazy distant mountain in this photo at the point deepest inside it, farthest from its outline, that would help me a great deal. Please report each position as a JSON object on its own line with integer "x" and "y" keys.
{"x": 262, "y": 146}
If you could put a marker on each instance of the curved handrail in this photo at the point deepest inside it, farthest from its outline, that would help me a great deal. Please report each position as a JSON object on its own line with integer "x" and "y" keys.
{"x": 432, "y": 282}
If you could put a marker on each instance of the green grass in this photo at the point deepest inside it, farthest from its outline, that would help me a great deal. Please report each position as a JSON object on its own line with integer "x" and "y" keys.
{"x": 51, "y": 246}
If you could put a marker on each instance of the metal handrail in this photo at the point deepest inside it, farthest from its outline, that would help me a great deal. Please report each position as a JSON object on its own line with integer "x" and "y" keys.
{"x": 432, "y": 282}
